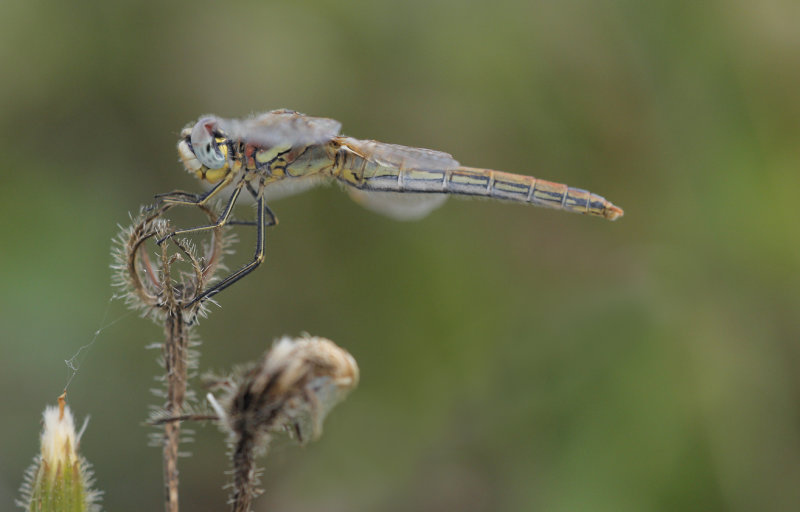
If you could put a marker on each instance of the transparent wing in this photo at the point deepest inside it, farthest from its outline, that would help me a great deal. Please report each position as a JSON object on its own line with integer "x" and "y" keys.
{"x": 402, "y": 157}
{"x": 281, "y": 128}
{"x": 399, "y": 206}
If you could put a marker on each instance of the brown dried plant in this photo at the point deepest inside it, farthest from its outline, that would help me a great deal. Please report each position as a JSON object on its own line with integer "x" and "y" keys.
{"x": 291, "y": 389}
{"x": 166, "y": 295}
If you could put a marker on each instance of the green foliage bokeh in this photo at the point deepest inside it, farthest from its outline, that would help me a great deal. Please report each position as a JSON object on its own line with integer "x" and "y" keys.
{"x": 512, "y": 358}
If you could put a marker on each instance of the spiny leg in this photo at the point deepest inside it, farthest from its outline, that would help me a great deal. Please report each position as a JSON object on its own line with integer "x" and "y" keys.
{"x": 179, "y": 197}
{"x": 188, "y": 198}
{"x": 237, "y": 222}
{"x": 272, "y": 220}
{"x": 265, "y": 218}
{"x": 221, "y": 220}
{"x": 182, "y": 197}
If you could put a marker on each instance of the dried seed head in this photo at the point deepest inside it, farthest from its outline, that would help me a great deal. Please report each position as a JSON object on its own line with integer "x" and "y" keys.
{"x": 154, "y": 285}
{"x": 293, "y": 387}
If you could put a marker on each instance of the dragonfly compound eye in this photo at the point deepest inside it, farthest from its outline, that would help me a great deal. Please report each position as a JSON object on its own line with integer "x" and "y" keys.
{"x": 204, "y": 144}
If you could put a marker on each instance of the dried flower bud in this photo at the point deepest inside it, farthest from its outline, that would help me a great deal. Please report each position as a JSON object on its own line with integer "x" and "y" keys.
{"x": 292, "y": 389}
{"x": 59, "y": 479}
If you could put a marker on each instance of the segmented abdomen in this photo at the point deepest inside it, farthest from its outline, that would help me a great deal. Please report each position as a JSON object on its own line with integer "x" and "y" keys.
{"x": 389, "y": 168}
{"x": 527, "y": 189}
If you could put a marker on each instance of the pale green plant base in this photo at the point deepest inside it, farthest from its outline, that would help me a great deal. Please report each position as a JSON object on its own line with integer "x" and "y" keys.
{"x": 63, "y": 491}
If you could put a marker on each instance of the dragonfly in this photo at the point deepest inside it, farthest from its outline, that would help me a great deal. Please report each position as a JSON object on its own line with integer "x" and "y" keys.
{"x": 283, "y": 152}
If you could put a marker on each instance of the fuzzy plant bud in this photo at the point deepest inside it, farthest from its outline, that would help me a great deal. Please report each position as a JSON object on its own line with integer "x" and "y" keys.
{"x": 59, "y": 480}
{"x": 291, "y": 389}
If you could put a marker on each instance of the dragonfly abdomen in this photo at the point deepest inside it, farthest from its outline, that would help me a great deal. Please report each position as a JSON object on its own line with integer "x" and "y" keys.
{"x": 469, "y": 181}
{"x": 410, "y": 170}
{"x": 527, "y": 189}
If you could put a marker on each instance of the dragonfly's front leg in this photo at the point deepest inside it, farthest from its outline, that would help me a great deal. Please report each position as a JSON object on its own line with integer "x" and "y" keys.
{"x": 221, "y": 220}
{"x": 188, "y": 198}
{"x": 179, "y": 197}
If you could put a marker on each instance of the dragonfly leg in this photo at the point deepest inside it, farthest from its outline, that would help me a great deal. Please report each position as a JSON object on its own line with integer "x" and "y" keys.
{"x": 174, "y": 197}
{"x": 237, "y": 222}
{"x": 265, "y": 218}
{"x": 272, "y": 220}
{"x": 179, "y": 196}
{"x": 188, "y": 198}
{"x": 221, "y": 220}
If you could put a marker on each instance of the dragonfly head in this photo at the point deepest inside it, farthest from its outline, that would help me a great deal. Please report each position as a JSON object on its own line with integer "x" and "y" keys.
{"x": 203, "y": 149}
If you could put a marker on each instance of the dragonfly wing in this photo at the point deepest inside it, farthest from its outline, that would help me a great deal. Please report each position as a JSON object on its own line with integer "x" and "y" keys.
{"x": 402, "y": 157}
{"x": 290, "y": 187}
{"x": 399, "y": 206}
{"x": 281, "y": 128}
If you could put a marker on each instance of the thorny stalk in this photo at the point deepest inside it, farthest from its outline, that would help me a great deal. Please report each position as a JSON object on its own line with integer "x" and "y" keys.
{"x": 157, "y": 291}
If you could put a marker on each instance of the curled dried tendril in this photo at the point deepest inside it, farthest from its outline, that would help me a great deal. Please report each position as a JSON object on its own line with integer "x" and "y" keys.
{"x": 155, "y": 286}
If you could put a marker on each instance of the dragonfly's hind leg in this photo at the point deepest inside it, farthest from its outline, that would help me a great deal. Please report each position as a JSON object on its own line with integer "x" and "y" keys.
{"x": 265, "y": 218}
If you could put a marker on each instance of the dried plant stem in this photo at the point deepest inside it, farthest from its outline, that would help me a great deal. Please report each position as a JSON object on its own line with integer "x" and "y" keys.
{"x": 176, "y": 368}
{"x": 173, "y": 302}
{"x": 290, "y": 390}
{"x": 175, "y": 365}
{"x": 244, "y": 473}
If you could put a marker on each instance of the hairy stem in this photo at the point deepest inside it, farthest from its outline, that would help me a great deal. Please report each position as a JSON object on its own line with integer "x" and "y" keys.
{"x": 244, "y": 473}
{"x": 146, "y": 274}
{"x": 175, "y": 362}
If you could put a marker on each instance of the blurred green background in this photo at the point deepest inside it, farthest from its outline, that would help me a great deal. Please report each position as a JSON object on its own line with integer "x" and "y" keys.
{"x": 512, "y": 358}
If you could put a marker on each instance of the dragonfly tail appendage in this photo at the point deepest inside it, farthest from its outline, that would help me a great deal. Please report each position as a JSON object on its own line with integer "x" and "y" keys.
{"x": 527, "y": 189}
